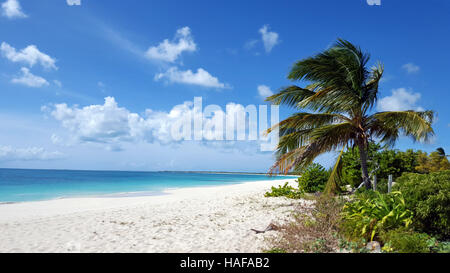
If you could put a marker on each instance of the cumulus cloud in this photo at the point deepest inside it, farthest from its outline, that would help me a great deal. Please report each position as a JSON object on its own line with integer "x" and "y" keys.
{"x": 8, "y": 153}
{"x": 29, "y": 55}
{"x": 12, "y": 9}
{"x": 73, "y": 2}
{"x": 30, "y": 80}
{"x": 411, "y": 68}
{"x": 400, "y": 100}
{"x": 110, "y": 125}
{"x": 269, "y": 38}
{"x": 169, "y": 51}
{"x": 201, "y": 77}
{"x": 264, "y": 91}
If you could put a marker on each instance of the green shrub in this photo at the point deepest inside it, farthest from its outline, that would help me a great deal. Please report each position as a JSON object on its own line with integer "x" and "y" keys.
{"x": 372, "y": 213}
{"x": 286, "y": 191}
{"x": 428, "y": 196}
{"x": 313, "y": 179}
{"x": 406, "y": 241}
{"x": 382, "y": 162}
{"x": 442, "y": 247}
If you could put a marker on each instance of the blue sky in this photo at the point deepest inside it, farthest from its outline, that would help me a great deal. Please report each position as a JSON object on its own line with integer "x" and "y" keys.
{"x": 59, "y": 62}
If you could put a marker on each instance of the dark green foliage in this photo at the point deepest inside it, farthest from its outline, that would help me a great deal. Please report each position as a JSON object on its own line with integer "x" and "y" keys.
{"x": 286, "y": 191}
{"x": 313, "y": 179}
{"x": 406, "y": 241}
{"x": 382, "y": 162}
{"x": 428, "y": 196}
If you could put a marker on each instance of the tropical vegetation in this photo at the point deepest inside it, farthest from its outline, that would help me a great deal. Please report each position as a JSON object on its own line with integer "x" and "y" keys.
{"x": 428, "y": 197}
{"x": 338, "y": 100}
{"x": 334, "y": 112}
{"x": 313, "y": 179}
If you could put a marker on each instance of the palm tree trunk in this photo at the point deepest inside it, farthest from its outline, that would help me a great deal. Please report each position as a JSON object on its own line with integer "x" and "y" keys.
{"x": 364, "y": 170}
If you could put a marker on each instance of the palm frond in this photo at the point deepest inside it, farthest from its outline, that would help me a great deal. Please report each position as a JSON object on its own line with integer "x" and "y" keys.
{"x": 389, "y": 125}
{"x": 317, "y": 141}
{"x": 332, "y": 186}
{"x": 370, "y": 95}
{"x": 290, "y": 96}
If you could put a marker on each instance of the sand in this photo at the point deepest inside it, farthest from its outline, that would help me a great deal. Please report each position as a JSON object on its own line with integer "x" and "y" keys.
{"x": 201, "y": 219}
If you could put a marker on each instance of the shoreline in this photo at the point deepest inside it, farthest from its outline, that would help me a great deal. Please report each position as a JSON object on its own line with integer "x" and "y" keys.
{"x": 71, "y": 204}
{"x": 162, "y": 192}
{"x": 195, "y": 219}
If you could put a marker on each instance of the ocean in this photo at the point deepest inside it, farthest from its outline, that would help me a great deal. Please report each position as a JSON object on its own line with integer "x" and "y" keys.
{"x": 21, "y": 185}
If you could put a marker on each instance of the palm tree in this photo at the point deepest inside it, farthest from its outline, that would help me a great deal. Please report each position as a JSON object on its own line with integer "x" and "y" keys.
{"x": 340, "y": 96}
{"x": 441, "y": 152}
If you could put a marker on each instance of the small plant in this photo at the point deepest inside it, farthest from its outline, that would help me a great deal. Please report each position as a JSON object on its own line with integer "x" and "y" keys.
{"x": 374, "y": 212}
{"x": 353, "y": 246}
{"x": 286, "y": 191}
{"x": 275, "y": 250}
{"x": 317, "y": 246}
{"x": 313, "y": 179}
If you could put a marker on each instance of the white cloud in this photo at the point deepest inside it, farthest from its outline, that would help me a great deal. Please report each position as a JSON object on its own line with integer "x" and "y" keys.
{"x": 169, "y": 51}
{"x": 400, "y": 100}
{"x": 12, "y": 9}
{"x": 270, "y": 38}
{"x": 109, "y": 123}
{"x": 30, "y": 80}
{"x": 112, "y": 126}
{"x": 8, "y": 153}
{"x": 29, "y": 55}
{"x": 264, "y": 91}
{"x": 201, "y": 77}
{"x": 73, "y": 2}
{"x": 411, "y": 68}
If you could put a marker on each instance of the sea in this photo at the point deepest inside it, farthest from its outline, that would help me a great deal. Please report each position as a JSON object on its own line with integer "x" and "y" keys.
{"x": 23, "y": 185}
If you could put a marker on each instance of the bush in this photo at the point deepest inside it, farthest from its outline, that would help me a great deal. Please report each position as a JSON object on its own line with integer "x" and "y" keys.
{"x": 313, "y": 179}
{"x": 406, "y": 241}
{"x": 428, "y": 196}
{"x": 286, "y": 191}
{"x": 373, "y": 212}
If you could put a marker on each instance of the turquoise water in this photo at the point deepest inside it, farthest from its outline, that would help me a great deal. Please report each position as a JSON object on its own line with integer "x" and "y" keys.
{"x": 17, "y": 185}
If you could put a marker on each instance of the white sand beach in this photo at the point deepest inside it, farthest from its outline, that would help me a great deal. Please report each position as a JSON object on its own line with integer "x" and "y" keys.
{"x": 201, "y": 219}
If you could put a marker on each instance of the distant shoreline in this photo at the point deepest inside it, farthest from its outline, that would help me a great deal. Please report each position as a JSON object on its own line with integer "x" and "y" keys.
{"x": 163, "y": 171}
